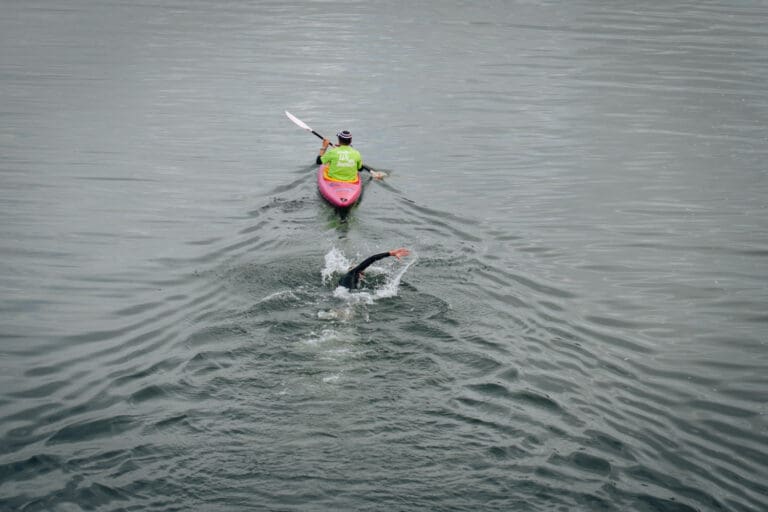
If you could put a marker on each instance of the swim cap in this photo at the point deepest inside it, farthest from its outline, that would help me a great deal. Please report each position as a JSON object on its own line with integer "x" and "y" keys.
{"x": 345, "y": 135}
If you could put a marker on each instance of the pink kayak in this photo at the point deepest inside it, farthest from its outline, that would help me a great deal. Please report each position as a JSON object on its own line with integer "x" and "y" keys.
{"x": 341, "y": 194}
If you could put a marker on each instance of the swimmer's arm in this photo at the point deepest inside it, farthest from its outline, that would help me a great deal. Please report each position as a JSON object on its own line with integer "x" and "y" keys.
{"x": 367, "y": 262}
{"x": 349, "y": 280}
{"x": 397, "y": 253}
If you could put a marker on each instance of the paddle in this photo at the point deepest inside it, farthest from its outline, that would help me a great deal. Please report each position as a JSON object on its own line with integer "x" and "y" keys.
{"x": 298, "y": 122}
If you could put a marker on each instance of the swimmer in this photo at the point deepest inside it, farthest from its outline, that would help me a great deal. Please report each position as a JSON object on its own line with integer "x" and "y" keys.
{"x": 352, "y": 278}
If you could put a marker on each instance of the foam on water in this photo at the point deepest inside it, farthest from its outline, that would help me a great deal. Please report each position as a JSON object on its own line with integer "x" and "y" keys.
{"x": 325, "y": 336}
{"x": 282, "y": 294}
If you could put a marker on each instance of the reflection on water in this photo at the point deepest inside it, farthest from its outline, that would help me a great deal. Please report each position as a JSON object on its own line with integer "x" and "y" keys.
{"x": 581, "y": 325}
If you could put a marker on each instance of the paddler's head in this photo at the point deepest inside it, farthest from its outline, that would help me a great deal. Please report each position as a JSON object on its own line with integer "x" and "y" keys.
{"x": 345, "y": 138}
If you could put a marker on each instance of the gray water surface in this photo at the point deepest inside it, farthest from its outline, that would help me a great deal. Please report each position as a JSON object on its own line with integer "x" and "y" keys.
{"x": 581, "y": 326}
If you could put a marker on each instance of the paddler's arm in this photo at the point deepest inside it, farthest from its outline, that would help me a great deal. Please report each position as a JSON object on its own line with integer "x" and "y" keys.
{"x": 319, "y": 158}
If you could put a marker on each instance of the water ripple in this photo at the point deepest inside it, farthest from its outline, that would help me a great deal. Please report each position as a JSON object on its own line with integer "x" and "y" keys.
{"x": 581, "y": 326}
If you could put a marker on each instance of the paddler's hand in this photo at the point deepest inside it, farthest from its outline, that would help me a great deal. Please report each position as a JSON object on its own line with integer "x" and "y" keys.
{"x": 399, "y": 253}
{"x": 326, "y": 143}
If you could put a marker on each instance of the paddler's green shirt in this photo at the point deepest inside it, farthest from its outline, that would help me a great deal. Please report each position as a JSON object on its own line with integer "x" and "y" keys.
{"x": 344, "y": 162}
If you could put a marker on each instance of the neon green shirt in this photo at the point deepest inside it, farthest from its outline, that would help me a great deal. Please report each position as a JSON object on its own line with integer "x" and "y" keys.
{"x": 344, "y": 162}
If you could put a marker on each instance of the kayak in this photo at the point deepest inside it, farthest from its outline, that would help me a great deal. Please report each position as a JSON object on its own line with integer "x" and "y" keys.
{"x": 341, "y": 194}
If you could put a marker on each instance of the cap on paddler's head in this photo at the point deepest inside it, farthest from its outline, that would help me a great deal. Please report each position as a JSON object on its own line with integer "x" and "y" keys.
{"x": 345, "y": 136}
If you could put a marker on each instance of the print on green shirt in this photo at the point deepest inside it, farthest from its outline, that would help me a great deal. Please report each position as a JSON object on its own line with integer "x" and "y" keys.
{"x": 344, "y": 162}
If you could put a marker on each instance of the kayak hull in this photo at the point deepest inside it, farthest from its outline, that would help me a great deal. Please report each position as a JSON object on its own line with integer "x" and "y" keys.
{"x": 341, "y": 194}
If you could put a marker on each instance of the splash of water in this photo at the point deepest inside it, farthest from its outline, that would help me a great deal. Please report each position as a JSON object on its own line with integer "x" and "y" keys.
{"x": 335, "y": 263}
{"x": 392, "y": 284}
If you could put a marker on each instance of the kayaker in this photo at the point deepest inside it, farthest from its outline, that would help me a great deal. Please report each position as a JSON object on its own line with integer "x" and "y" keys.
{"x": 344, "y": 161}
{"x": 352, "y": 278}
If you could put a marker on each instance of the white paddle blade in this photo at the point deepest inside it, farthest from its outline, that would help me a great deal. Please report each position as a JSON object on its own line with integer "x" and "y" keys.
{"x": 297, "y": 121}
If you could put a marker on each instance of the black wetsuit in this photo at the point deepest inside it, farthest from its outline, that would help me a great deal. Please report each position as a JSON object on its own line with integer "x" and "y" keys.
{"x": 352, "y": 278}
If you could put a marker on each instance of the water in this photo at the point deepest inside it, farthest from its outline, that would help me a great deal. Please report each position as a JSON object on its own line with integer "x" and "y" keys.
{"x": 581, "y": 326}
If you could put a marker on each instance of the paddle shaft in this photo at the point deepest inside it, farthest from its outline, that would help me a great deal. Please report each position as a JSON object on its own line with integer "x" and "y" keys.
{"x": 317, "y": 134}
